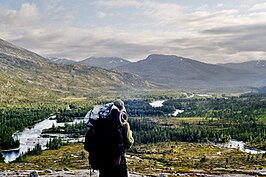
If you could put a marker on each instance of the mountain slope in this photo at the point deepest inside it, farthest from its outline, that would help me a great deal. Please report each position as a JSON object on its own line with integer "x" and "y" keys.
{"x": 30, "y": 74}
{"x": 257, "y": 70}
{"x": 11, "y": 50}
{"x": 62, "y": 61}
{"x": 257, "y": 66}
{"x": 171, "y": 71}
{"x": 104, "y": 62}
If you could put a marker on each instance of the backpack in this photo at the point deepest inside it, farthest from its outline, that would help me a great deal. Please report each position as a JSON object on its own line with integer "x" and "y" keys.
{"x": 105, "y": 138}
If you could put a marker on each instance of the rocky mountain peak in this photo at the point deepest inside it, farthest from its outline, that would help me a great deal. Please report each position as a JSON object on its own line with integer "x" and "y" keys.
{"x": 104, "y": 62}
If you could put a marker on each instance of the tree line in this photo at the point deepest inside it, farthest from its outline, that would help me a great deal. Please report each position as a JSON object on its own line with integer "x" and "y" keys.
{"x": 146, "y": 131}
{"x": 241, "y": 118}
{"x": 232, "y": 117}
{"x": 16, "y": 119}
{"x": 75, "y": 130}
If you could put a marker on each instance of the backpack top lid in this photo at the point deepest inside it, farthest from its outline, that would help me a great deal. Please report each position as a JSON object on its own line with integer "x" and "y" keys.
{"x": 99, "y": 112}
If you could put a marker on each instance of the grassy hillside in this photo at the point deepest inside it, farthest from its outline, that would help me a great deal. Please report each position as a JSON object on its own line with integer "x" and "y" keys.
{"x": 27, "y": 75}
{"x": 14, "y": 90}
{"x": 64, "y": 80}
{"x": 149, "y": 159}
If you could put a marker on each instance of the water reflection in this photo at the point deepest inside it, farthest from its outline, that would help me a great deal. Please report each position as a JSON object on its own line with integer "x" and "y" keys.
{"x": 31, "y": 136}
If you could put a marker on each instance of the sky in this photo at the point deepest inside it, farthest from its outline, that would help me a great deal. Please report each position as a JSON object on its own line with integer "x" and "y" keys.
{"x": 211, "y": 31}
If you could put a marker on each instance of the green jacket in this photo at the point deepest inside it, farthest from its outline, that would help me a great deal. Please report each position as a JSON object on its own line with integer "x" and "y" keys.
{"x": 129, "y": 137}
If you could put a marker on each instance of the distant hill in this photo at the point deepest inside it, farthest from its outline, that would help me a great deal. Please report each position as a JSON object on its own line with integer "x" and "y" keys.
{"x": 8, "y": 49}
{"x": 262, "y": 90}
{"x": 104, "y": 62}
{"x": 62, "y": 61}
{"x": 256, "y": 70}
{"x": 24, "y": 74}
{"x": 101, "y": 62}
{"x": 171, "y": 71}
{"x": 256, "y": 66}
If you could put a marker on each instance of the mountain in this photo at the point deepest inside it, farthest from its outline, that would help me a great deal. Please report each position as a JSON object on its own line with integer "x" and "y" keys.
{"x": 257, "y": 70}
{"x": 62, "y": 61}
{"x": 170, "y": 71}
{"x": 104, "y": 62}
{"x": 10, "y": 50}
{"x": 256, "y": 66}
{"x": 24, "y": 75}
{"x": 101, "y": 62}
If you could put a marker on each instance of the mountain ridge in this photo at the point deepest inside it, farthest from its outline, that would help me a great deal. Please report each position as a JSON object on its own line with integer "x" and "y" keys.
{"x": 105, "y": 62}
{"x": 156, "y": 71}
{"x": 21, "y": 53}
{"x": 101, "y": 62}
{"x": 32, "y": 74}
{"x": 258, "y": 66}
{"x": 171, "y": 71}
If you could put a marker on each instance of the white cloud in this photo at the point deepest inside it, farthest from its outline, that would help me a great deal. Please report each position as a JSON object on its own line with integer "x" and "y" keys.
{"x": 27, "y": 13}
{"x": 101, "y": 14}
{"x": 162, "y": 11}
{"x": 258, "y": 7}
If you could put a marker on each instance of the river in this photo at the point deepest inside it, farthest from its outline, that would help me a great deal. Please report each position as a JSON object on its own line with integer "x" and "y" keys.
{"x": 157, "y": 104}
{"x": 240, "y": 145}
{"x": 31, "y": 136}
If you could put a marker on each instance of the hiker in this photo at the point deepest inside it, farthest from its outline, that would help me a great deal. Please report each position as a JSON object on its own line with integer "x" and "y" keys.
{"x": 107, "y": 140}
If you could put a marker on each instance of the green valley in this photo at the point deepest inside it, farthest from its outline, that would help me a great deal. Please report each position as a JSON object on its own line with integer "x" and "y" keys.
{"x": 189, "y": 131}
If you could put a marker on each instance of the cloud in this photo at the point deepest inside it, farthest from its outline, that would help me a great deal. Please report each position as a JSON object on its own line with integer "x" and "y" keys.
{"x": 205, "y": 19}
{"x": 101, "y": 14}
{"x": 258, "y": 7}
{"x": 220, "y": 5}
{"x": 119, "y": 3}
{"x": 162, "y": 11}
{"x": 243, "y": 38}
{"x": 28, "y": 13}
{"x": 85, "y": 43}
{"x": 136, "y": 29}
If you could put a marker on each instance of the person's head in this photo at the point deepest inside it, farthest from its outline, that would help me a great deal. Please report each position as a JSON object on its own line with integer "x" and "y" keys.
{"x": 120, "y": 105}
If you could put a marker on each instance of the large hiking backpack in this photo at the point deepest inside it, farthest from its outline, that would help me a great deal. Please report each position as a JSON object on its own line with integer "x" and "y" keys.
{"x": 105, "y": 138}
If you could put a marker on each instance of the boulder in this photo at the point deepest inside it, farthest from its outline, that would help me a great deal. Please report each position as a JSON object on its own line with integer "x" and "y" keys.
{"x": 48, "y": 171}
{"x": 33, "y": 174}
